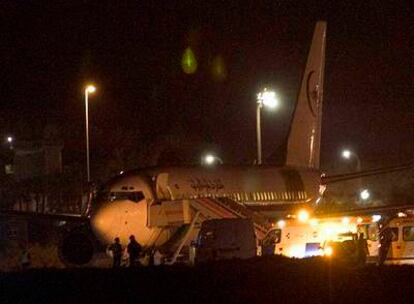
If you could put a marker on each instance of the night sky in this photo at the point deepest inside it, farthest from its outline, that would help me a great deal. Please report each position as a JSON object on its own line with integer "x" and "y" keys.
{"x": 132, "y": 52}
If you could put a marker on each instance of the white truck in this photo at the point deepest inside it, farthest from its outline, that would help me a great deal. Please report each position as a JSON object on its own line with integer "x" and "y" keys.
{"x": 225, "y": 239}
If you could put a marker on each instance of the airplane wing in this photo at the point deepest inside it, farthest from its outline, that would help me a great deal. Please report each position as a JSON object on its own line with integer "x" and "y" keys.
{"x": 371, "y": 172}
{"x": 47, "y": 216}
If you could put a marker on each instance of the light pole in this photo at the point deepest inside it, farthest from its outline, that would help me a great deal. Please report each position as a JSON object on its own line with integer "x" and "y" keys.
{"x": 268, "y": 99}
{"x": 348, "y": 154}
{"x": 89, "y": 89}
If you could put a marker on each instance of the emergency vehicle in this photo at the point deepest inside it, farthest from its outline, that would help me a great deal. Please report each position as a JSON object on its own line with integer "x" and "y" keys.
{"x": 302, "y": 236}
{"x": 401, "y": 249}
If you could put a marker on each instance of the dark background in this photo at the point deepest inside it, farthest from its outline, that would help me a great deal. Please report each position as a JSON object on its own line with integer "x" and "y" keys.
{"x": 132, "y": 51}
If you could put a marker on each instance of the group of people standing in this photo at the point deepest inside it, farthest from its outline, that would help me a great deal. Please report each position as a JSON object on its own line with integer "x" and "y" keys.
{"x": 135, "y": 252}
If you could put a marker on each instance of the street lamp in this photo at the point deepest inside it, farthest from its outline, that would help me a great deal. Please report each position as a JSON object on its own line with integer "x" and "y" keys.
{"x": 210, "y": 159}
{"x": 88, "y": 90}
{"x": 348, "y": 154}
{"x": 364, "y": 194}
{"x": 268, "y": 99}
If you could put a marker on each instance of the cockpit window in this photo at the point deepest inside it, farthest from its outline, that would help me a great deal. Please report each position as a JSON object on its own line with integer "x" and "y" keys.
{"x": 135, "y": 196}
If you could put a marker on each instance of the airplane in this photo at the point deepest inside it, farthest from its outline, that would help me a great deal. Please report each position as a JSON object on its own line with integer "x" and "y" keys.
{"x": 162, "y": 207}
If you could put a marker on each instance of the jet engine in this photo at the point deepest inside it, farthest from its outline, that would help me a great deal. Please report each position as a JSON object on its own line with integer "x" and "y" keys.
{"x": 77, "y": 246}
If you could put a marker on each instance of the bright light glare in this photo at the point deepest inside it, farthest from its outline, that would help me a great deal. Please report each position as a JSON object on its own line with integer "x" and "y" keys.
{"x": 281, "y": 224}
{"x": 359, "y": 220}
{"x": 345, "y": 220}
{"x": 314, "y": 222}
{"x": 376, "y": 218}
{"x": 329, "y": 231}
{"x": 297, "y": 251}
{"x": 268, "y": 98}
{"x": 303, "y": 215}
{"x": 401, "y": 214}
{"x": 210, "y": 159}
{"x": 90, "y": 88}
{"x": 346, "y": 154}
{"x": 328, "y": 251}
{"x": 365, "y": 194}
{"x": 9, "y": 139}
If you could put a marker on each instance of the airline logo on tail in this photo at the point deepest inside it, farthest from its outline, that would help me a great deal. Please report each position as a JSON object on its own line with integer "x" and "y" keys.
{"x": 305, "y": 133}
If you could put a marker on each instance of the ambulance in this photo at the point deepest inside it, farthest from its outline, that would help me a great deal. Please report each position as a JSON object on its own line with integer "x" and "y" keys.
{"x": 302, "y": 237}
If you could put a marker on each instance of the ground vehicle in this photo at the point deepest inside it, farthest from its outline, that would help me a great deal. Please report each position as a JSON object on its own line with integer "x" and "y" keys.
{"x": 225, "y": 239}
{"x": 344, "y": 249}
{"x": 401, "y": 249}
{"x": 299, "y": 239}
{"x": 370, "y": 230}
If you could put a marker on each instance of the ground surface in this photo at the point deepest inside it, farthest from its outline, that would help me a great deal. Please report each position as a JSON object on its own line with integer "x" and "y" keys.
{"x": 260, "y": 280}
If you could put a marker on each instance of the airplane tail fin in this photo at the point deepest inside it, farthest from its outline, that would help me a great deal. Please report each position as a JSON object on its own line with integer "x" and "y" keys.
{"x": 305, "y": 132}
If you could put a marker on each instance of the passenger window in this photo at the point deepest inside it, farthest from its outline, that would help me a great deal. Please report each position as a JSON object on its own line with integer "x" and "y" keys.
{"x": 408, "y": 233}
{"x": 394, "y": 233}
{"x": 273, "y": 237}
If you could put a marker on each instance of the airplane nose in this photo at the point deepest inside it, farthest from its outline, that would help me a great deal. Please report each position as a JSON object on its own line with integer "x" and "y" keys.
{"x": 123, "y": 218}
{"x": 105, "y": 221}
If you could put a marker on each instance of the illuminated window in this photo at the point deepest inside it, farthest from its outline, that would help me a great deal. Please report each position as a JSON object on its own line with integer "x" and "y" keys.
{"x": 408, "y": 233}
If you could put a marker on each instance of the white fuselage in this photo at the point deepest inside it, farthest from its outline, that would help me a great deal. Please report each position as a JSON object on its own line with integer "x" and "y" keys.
{"x": 123, "y": 207}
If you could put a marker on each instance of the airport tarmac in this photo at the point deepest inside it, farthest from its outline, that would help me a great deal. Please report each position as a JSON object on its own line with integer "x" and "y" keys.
{"x": 258, "y": 280}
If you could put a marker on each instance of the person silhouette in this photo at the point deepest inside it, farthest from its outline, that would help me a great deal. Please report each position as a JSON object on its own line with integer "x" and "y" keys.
{"x": 134, "y": 250}
{"x": 116, "y": 249}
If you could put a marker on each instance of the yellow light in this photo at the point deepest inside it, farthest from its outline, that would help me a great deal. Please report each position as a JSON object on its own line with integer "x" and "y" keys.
{"x": 281, "y": 223}
{"x": 345, "y": 220}
{"x": 90, "y": 88}
{"x": 401, "y": 214}
{"x": 328, "y": 251}
{"x": 314, "y": 222}
{"x": 303, "y": 215}
{"x": 218, "y": 68}
{"x": 188, "y": 61}
{"x": 359, "y": 220}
